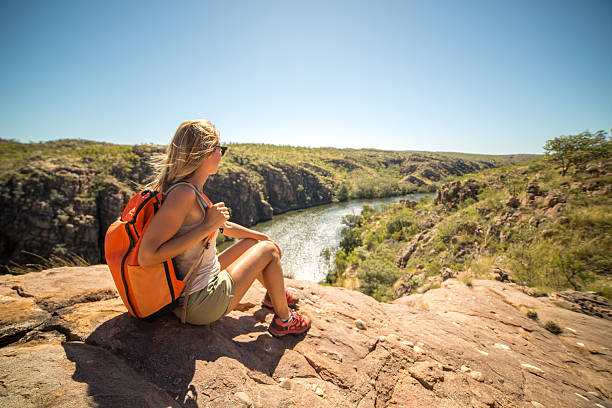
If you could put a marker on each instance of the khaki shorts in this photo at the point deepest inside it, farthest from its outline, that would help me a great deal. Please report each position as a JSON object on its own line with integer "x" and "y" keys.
{"x": 211, "y": 303}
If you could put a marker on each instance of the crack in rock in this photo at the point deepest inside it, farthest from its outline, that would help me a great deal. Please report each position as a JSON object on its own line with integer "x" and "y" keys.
{"x": 20, "y": 291}
{"x": 51, "y": 305}
{"x": 386, "y": 380}
{"x": 70, "y": 336}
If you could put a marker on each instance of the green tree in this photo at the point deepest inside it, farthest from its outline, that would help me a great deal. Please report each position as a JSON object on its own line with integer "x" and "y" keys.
{"x": 578, "y": 149}
{"x": 343, "y": 192}
{"x": 351, "y": 238}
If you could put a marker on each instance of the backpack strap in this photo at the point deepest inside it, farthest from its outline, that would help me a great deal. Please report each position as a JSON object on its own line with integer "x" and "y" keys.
{"x": 202, "y": 201}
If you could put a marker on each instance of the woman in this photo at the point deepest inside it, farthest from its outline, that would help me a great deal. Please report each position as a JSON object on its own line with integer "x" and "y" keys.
{"x": 180, "y": 227}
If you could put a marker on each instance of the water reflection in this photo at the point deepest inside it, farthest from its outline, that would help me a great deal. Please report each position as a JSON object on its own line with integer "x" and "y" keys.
{"x": 304, "y": 234}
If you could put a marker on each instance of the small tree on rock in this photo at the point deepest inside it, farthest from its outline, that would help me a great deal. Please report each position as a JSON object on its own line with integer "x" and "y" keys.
{"x": 578, "y": 149}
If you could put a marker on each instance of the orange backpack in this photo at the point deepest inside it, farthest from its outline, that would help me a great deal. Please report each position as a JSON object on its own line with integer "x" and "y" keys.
{"x": 152, "y": 291}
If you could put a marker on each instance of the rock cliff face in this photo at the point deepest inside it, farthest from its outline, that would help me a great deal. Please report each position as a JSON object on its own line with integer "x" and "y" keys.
{"x": 67, "y": 341}
{"x": 451, "y": 194}
{"x": 421, "y": 168}
{"x": 56, "y": 208}
{"x": 62, "y": 210}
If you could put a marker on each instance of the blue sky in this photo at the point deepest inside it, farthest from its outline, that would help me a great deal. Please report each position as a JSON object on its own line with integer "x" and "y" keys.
{"x": 470, "y": 76}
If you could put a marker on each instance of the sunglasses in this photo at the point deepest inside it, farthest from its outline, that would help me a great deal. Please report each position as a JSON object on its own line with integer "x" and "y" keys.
{"x": 223, "y": 149}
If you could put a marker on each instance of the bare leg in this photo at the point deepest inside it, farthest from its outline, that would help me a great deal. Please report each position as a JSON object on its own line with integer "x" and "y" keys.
{"x": 231, "y": 254}
{"x": 261, "y": 259}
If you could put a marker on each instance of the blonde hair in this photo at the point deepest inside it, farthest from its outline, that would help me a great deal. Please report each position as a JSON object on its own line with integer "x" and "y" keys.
{"x": 193, "y": 141}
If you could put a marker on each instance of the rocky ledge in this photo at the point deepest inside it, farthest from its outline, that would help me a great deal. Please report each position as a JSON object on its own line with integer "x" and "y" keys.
{"x": 67, "y": 341}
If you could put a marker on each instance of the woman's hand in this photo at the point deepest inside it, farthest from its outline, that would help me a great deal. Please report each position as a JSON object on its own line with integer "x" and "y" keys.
{"x": 216, "y": 216}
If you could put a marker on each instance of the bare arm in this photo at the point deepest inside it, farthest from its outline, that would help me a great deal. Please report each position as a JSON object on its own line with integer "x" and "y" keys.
{"x": 233, "y": 230}
{"x": 159, "y": 242}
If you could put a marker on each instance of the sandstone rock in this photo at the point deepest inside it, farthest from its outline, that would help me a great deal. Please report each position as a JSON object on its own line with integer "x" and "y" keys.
{"x": 528, "y": 200}
{"x": 451, "y": 194}
{"x": 427, "y": 373}
{"x": 501, "y": 274}
{"x": 477, "y": 375}
{"x": 414, "y": 180}
{"x": 592, "y": 170}
{"x": 577, "y": 186}
{"x": 447, "y": 273}
{"x": 534, "y": 189}
{"x": 555, "y": 211}
{"x": 513, "y": 202}
{"x": 418, "y": 350}
{"x": 408, "y": 283}
{"x": 532, "y": 369}
{"x": 547, "y": 233}
{"x": 90, "y": 352}
{"x": 408, "y": 203}
{"x": 60, "y": 287}
{"x": 585, "y": 302}
{"x": 408, "y": 250}
{"x": 552, "y": 200}
{"x": 244, "y": 398}
{"x": 360, "y": 324}
{"x": 18, "y": 315}
{"x": 59, "y": 374}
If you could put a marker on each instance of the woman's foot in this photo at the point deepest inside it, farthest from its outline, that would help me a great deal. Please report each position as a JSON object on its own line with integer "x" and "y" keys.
{"x": 295, "y": 324}
{"x": 292, "y": 300}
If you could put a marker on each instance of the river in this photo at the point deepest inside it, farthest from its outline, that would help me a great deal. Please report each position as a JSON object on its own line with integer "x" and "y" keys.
{"x": 303, "y": 234}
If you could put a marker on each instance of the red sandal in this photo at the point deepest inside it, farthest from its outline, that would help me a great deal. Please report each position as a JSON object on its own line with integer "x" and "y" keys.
{"x": 296, "y": 324}
{"x": 292, "y": 300}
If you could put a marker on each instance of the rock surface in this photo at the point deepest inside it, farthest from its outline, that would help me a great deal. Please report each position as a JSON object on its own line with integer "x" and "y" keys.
{"x": 67, "y": 341}
{"x": 452, "y": 194}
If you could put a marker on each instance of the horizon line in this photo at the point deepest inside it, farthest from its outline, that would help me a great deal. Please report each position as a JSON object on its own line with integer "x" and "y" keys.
{"x": 3, "y": 139}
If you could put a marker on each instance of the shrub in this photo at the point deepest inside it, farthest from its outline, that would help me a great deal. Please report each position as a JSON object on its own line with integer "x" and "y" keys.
{"x": 343, "y": 192}
{"x": 351, "y": 238}
{"x": 401, "y": 226}
{"x": 367, "y": 211}
{"x": 553, "y": 327}
{"x": 377, "y": 276}
{"x": 447, "y": 229}
{"x": 571, "y": 269}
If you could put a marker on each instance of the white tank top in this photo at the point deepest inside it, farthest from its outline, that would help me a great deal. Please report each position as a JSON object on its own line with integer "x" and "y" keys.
{"x": 209, "y": 267}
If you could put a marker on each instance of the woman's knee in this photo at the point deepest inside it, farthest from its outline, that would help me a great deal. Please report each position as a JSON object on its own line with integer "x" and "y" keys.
{"x": 270, "y": 249}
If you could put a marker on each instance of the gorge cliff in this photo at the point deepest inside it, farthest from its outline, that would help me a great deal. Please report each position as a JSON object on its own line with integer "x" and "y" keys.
{"x": 58, "y": 198}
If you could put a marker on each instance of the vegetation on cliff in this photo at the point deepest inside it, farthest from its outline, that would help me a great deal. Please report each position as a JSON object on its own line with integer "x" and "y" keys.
{"x": 59, "y": 197}
{"x": 528, "y": 223}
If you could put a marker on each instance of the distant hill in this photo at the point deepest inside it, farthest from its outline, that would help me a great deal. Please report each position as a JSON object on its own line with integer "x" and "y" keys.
{"x": 59, "y": 197}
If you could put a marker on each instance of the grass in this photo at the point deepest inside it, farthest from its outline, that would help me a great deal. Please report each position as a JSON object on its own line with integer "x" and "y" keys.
{"x": 567, "y": 251}
{"x": 70, "y": 260}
